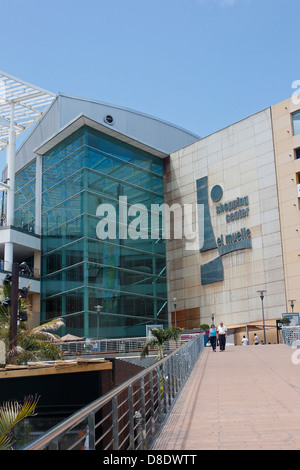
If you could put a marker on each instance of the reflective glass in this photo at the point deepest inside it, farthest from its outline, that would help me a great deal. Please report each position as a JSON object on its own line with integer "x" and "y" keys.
{"x": 24, "y": 215}
{"x": 127, "y": 277}
{"x": 296, "y": 122}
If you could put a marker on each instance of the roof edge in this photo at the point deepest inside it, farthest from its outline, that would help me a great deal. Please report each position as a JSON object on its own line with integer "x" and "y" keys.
{"x": 132, "y": 111}
{"x": 82, "y": 120}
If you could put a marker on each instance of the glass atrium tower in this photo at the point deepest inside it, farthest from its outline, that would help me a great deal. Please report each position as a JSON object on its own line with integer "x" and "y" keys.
{"x": 81, "y": 156}
{"x": 126, "y": 277}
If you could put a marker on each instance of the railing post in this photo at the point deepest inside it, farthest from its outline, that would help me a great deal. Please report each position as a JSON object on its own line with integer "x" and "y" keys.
{"x": 131, "y": 418}
{"x": 165, "y": 388}
{"x": 91, "y": 431}
{"x": 115, "y": 422}
{"x": 169, "y": 383}
{"x": 143, "y": 413}
{"x": 54, "y": 444}
{"x": 176, "y": 361}
{"x": 174, "y": 376}
{"x": 152, "y": 403}
{"x": 159, "y": 386}
{"x": 171, "y": 380}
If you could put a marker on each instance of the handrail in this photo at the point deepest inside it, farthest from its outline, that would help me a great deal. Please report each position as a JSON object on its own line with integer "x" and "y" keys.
{"x": 79, "y": 415}
{"x": 106, "y": 346}
{"x": 130, "y": 413}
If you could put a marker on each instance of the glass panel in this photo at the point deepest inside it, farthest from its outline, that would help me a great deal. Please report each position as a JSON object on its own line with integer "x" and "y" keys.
{"x": 123, "y": 151}
{"x": 62, "y": 190}
{"x": 64, "y": 149}
{"x": 25, "y": 175}
{"x": 296, "y": 122}
{"x": 128, "y": 172}
{"x": 25, "y": 216}
{"x": 23, "y": 195}
{"x": 25, "y": 198}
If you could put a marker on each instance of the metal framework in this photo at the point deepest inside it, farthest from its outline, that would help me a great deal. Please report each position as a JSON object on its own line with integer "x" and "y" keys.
{"x": 21, "y": 105}
{"x": 28, "y": 103}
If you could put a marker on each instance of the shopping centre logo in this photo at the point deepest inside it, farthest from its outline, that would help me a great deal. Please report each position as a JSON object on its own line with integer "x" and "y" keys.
{"x": 234, "y": 210}
{"x": 123, "y": 221}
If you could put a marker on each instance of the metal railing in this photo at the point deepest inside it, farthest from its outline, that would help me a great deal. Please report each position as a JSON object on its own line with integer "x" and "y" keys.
{"x": 128, "y": 417}
{"x": 107, "y": 346}
{"x": 6, "y": 267}
{"x": 291, "y": 335}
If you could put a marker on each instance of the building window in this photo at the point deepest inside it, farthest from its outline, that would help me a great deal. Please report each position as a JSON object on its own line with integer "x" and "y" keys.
{"x": 296, "y": 122}
{"x": 297, "y": 153}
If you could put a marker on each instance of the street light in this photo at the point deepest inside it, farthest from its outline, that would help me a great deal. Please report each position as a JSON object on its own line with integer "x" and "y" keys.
{"x": 292, "y": 304}
{"x": 174, "y": 301}
{"x": 14, "y": 301}
{"x": 99, "y": 308}
{"x": 261, "y": 292}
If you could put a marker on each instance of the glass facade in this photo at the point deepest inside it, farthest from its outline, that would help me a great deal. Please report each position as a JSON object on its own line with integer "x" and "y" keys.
{"x": 125, "y": 276}
{"x": 296, "y": 122}
{"x": 24, "y": 216}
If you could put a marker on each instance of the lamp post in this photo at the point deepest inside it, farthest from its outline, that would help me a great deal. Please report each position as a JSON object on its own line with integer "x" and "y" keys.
{"x": 14, "y": 302}
{"x": 99, "y": 308}
{"x": 261, "y": 293}
{"x": 292, "y": 304}
{"x": 174, "y": 302}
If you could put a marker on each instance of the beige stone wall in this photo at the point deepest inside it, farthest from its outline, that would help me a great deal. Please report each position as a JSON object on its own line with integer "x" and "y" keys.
{"x": 34, "y": 302}
{"x": 287, "y": 168}
{"x": 240, "y": 158}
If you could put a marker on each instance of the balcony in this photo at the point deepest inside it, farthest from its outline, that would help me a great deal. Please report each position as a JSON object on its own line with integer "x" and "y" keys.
{"x": 25, "y": 246}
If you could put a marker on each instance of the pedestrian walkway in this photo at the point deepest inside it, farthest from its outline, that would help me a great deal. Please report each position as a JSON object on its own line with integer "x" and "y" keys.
{"x": 247, "y": 397}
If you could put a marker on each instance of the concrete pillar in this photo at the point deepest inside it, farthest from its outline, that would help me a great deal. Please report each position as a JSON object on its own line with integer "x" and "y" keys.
{"x": 11, "y": 154}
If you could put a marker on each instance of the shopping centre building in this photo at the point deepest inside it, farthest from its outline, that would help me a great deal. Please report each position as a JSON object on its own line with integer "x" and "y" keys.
{"x": 119, "y": 213}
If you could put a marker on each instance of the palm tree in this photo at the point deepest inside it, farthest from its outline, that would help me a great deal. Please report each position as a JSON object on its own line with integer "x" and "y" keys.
{"x": 38, "y": 343}
{"x": 158, "y": 340}
{"x": 11, "y": 413}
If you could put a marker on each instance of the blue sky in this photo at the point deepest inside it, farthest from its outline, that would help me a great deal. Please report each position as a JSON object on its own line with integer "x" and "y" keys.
{"x": 200, "y": 64}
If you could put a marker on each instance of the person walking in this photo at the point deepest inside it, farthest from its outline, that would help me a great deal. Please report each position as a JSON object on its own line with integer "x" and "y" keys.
{"x": 213, "y": 337}
{"x": 222, "y": 332}
{"x": 256, "y": 340}
{"x": 245, "y": 341}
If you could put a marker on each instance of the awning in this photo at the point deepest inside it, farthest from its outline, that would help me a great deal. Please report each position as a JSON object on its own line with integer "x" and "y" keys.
{"x": 256, "y": 324}
{"x": 21, "y": 105}
{"x": 71, "y": 338}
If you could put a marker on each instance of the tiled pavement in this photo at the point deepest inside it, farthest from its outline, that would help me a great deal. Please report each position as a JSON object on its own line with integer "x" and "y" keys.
{"x": 246, "y": 398}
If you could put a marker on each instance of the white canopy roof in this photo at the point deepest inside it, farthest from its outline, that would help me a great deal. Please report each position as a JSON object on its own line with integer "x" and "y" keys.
{"x": 29, "y": 103}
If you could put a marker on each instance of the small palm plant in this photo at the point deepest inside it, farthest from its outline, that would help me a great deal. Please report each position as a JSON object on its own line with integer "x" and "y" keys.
{"x": 11, "y": 414}
{"x": 38, "y": 343}
{"x": 33, "y": 344}
{"x": 158, "y": 340}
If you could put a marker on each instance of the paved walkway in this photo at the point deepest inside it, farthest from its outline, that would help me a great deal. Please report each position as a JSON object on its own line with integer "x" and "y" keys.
{"x": 247, "y": 397}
